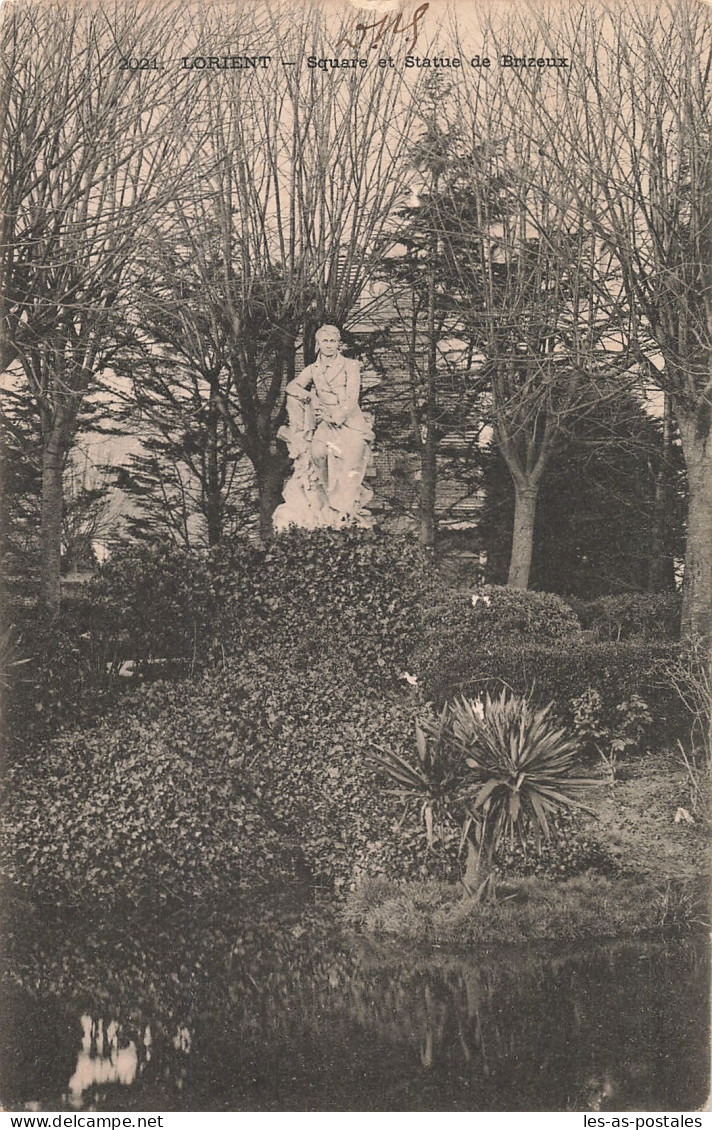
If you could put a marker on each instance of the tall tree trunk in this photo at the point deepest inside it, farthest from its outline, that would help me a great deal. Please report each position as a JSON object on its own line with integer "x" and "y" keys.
{"x": 51, "y": 525}
{"x": 429, "y": 442}
{"x": 661, "y": 573}
{"x": 213, "y": 507}
{"x": 311, "y": 325}
{"x": 428, "y": 488}
{"x": 270, "y": 480}
{"x": 697, "y": 587}
{"x": 520, "y": 561}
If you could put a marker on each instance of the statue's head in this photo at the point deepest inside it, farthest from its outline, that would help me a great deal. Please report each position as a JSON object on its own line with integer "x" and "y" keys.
{"x": 328, "y": 340}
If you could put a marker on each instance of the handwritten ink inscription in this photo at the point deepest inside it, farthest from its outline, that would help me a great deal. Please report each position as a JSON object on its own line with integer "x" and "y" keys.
{"x": 381, "y": 26}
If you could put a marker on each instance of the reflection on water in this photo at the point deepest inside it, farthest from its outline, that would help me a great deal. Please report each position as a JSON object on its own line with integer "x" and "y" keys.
{"x": 286, "y": 1013}
{"x": 103, "y": 1058}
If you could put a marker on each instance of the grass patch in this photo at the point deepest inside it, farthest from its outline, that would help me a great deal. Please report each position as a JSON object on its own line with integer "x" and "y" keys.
{"x": 531, "y": 909}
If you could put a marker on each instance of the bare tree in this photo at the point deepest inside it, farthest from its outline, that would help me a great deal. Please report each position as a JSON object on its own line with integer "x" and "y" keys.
{"x": 530, "y": 279}
{"x": 298, "y": 175}
{"x": 631, "y": 131}
{"x": 85, "y": 143}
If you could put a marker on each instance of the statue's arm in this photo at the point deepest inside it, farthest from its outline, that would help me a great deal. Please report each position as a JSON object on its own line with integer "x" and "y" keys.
{"x": 299, "y": 386}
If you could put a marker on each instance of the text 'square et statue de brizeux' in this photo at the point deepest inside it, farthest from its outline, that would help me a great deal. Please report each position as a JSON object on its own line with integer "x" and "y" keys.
{"x": 329, "y": 439}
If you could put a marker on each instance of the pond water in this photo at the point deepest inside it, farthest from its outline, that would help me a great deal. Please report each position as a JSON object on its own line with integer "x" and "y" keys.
{"x": 285, "y": 1012}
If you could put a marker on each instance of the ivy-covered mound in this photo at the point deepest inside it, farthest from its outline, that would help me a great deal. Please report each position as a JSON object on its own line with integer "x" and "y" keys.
{"x": 251, "y": 777}
{"x": 258, "y": 770}
{"x": 255, "y": 776}
{"x": 357, "y": 593}
{"x": 146, "y": 807}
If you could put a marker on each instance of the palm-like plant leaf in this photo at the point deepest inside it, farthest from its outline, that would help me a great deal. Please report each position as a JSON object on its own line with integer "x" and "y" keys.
{"x": 401, "y": 771}
{"x": 521, "y": 762}
{"x": 432, "y": 780}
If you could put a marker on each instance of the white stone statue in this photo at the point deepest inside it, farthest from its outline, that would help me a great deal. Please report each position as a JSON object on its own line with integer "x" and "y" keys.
{"x": 329, "y": 439}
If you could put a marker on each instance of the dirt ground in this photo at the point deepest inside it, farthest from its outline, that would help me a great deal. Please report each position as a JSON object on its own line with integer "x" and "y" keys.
{"x": 636, "y": 819}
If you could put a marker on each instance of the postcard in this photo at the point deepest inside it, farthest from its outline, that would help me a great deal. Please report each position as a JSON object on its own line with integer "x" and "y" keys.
{"x": 357, "y": 559}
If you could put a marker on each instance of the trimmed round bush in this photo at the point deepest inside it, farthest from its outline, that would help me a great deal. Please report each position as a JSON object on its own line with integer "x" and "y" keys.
{"x": 500, "y": 613}
{"x": 457, "y": 626}
{"x": 493, "y": 612}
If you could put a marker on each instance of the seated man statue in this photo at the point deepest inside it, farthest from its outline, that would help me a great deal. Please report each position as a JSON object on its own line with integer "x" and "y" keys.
{"x": 329, "y": 439}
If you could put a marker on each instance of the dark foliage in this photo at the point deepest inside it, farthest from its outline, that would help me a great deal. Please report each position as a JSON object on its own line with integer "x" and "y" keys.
{"x": 162, "y": 601}
{"x": 147, "y": 807}
{"x": 58, "y": 675}
{"x": 303, "y": 593}
{"x": 458, "y": 623}
{"x": 568, "y": 852}
{"x": 259, "y": 769}
{"x": 193, "y": 790}
{"x": 596, "y": 508}
{"x": 560, "y": 673}
{"x": 638, "y": 615}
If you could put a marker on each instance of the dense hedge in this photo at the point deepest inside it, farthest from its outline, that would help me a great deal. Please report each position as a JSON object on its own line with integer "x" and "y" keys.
{"x": 642, "y": 616}
{"x": 249, "y": 776}
{"x": 58, "y": 675}
{"x": 258, "y": 769}
{"x": 147, "y": 807}
{"x": 356, "y": 594}
{"x": 562, "y": 672}
{"x": 200, "y": 789}
{"x": 304, "y": 591}
{"x": 493, "y": 612}
{"x": 458, "y": 625}
{"x": 160, "y": 601}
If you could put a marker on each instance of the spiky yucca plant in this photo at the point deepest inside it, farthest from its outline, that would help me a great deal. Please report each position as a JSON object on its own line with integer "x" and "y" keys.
{"x": 522, "y": 763}
{"x": 431, "y": 782}
{"x": 500, "y": 768}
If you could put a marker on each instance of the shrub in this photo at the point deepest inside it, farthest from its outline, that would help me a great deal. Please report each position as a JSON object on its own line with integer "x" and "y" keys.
{"x": 610, "y": 742}
{"x": 162, "y": 601}
{"x": 356, "y": 591}
{"x": 492, "y": 613}
{"x": 435, "y": 778}
{"x": 643, "y": 616}
{"x": 689, "y": 673}
{"x": 462, "y": 624}
{"x": 150, "y": 806}
{"x": 521, "y": 762}
{"x": 500, "y": 613}
{"x": 200, "y": 789}
{"x": 615, "y": 671}
{"x": 309, "y": 735}
{"x": 498, "y": 768}
{"x": 56, "y": 676}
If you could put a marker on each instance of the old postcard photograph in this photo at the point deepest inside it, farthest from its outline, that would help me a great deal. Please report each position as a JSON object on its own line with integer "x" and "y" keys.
{"x": 356, "y": 551}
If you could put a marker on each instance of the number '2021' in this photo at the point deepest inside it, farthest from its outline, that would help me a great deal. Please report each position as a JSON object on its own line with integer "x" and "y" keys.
{"x": 143, "y": 64}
